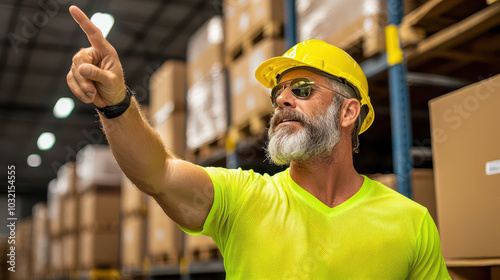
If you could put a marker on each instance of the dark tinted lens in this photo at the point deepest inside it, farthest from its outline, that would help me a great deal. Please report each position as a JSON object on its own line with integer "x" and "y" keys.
{"x": 301, "y": 87}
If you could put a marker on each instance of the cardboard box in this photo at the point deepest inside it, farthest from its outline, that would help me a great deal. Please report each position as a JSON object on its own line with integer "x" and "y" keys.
{"x": 100, "y": 209}
{"x": 54, "y": 208}
{"x": 96, "y": 167}
{"x": 132, "y": 199}
{"x": 173, "y": 132}
{"x": 98, "y": 249}
{"x": 70, "y": 213}
{"x": 207, "y": 109}
{"x": 465, "y": 138}
{"x": 167, "y": 89}
{"x": 24, "y": 249}
{"x": 133, "y": 241}
{"x": 40, "y": 241}
{"x": 66, "y": 178}
{"x": 164, "y": 236}
{"x": 70, "y": 252}
{"x": 56, "y": 256}
{"x": 343, "y": 23}
{"x": 248, "y": 97}
{"x": 204, "y": 50}
{"x": 200, "y": 248}
{"x": 423, "y": 190}
{"x": 243, "y": 19}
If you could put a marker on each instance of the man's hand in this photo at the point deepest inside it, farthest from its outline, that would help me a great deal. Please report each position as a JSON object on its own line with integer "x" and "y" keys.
{"x": 96, "y": 74}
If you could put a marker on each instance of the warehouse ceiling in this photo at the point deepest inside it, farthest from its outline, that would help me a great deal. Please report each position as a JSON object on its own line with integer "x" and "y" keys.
{"x": 38, "y": 40}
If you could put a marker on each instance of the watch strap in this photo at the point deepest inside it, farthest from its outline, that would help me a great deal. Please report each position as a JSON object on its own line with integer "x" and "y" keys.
{"x": 113, "y": 111}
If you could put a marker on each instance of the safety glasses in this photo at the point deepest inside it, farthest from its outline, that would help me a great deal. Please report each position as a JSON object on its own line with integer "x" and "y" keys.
{"x": 300, "y": 88}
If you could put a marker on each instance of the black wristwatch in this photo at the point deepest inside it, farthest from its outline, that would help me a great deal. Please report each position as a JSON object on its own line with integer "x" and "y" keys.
{"x": 113, "y": 111}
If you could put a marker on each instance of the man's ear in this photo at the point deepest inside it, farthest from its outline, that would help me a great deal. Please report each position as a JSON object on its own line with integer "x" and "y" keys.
{"x": 350, "y": 112}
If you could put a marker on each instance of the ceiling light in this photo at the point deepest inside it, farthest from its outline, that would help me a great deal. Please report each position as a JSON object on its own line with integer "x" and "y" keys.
{"x": 46, "y": 141}
{"x": 34, "y": 160}
{"x": 104, "y": 22}
{"x": 64, "y": 106}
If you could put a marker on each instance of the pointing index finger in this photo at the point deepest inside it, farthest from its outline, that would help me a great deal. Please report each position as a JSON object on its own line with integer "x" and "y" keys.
{"x": 94, "y": 34}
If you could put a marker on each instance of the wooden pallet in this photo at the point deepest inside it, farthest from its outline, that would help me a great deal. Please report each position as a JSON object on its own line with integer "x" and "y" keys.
{"x": 135, "y": 212}
{"x": 361, "y": 43}
{"x": 434, "y": 16}
{"x": 164, "y": 259}
{"x": 255, "y": 127}
{"x": 207, "y": 150}
{"x": 109, "y": 227}
{"x": 467, "y": 49}
{"x": 204, "y": 255}
{"x": 259, "y": 32}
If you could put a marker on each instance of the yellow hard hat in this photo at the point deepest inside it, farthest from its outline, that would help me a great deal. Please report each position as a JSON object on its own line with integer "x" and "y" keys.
{"x": 326, "y": 58}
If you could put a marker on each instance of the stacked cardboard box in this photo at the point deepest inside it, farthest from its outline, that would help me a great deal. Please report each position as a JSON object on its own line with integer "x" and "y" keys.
{"x": 96, "y": 167}
{"x": 66, "y": 180}
{"x": 40, "y": 241}
{"x": 54, "y": 208}
{"x": 54, "y": 215}
{"x": 465, "y": 135}
{"x": 206, "y": 96}
{"x": 98, "y": 190}
{"x": 201, "y": 248}
{"x": 248, "y": 97}
{"x": 156, "y": 236}
{"x": 164, "y": 236}
{"x": 133, "y": 227}
{"x": 167, "y": 104}
{"x": 99, "y": 228}
{"x": 133, "y": 242}
{"x": 253, "y": 35}
{"x": 245, "y": 21}
{"x": 23, "y": 246}
{"x": 344, "y": 23}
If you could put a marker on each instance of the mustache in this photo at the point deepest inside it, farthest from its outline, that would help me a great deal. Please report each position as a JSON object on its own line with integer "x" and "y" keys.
{"x": 288, "y": 113}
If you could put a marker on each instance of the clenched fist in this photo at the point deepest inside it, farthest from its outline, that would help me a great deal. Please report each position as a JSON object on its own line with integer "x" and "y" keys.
{"x": 96, "y": 75}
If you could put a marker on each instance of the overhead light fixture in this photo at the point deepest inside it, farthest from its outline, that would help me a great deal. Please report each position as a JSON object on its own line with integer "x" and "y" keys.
{"x": 104, "y": 22}
{"x": 64, "y": 106}
{"x": 34, "y": 160}
{"x": 46, "y": 141}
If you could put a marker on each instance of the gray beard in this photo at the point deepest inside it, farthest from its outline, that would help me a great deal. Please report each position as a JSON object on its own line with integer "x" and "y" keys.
{"x": 315, "y": 140}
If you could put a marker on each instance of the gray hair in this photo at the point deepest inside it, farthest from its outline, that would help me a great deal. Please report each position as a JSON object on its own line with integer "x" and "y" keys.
{"x": 346, "y": 90}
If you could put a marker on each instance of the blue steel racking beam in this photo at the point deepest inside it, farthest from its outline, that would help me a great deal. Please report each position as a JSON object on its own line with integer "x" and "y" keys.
{"x": 290, "y": 24}
{"x": 399, "y": 101}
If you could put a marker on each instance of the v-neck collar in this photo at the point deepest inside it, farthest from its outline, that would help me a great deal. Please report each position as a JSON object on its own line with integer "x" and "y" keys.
{"x": 315, "y": 203}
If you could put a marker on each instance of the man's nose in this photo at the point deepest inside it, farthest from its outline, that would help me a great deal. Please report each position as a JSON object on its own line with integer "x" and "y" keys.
{"x": 286, "y": 99}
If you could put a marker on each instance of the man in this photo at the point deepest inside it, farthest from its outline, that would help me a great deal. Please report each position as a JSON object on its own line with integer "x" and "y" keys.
{"x": 319, "y": 219}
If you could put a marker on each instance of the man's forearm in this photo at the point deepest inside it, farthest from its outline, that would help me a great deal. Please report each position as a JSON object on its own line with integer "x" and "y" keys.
{"x": 137, "y": 148}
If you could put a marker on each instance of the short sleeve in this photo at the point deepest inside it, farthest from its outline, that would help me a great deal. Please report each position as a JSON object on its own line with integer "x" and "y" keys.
{"x": 229, "y": 185}
{"x": 429, "y": 262}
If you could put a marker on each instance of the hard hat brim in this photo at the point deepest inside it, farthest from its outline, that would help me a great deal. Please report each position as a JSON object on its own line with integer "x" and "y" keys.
{"x": 268, "y": 71}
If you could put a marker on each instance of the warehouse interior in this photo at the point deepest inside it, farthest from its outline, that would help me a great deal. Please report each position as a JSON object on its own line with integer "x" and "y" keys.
{"x": 191, "y": 65}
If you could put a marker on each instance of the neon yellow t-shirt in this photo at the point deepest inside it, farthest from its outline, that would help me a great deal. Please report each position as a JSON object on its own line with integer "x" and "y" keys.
{"x": 268, "y": 227}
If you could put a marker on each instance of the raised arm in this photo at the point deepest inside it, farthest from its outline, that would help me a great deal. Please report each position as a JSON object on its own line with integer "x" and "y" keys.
{"x": 184, "y": 190}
